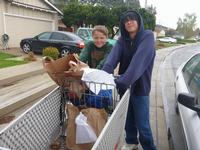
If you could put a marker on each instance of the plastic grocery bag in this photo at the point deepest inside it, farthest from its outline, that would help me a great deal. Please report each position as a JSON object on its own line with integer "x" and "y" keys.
{"x": 97, "y": 80}
{"x": 84, "y": 132}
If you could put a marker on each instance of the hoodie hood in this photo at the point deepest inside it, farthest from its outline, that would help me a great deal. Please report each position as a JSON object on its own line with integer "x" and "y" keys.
{"x": 132, "y": 15}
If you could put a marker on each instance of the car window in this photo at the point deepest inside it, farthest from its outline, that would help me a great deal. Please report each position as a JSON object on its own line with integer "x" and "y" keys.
{"x": 188, "y": 69}
{"x": 83, "y": 33}
{"x": 195, "y": 82}
{"x": 73, "y": 37}
{"x": 44, "y": 36}
{"x": 67, "y": 38}
{"x": 57, "y": 36}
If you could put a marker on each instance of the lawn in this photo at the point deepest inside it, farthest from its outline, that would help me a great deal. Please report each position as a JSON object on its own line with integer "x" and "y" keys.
{"x": 160, "y": 45}
{"x": 7, "y": 63}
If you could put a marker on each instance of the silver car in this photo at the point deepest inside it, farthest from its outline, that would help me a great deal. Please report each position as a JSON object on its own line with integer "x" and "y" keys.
{"x": 167, "y": 40}
{"x": 187, "y": 85}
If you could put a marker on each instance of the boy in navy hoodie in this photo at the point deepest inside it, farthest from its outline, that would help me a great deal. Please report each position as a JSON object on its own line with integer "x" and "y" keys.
{"x": 135, "y": 51}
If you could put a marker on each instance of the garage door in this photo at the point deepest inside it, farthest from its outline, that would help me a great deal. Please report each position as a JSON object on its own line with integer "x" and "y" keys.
{"x": 18, "y": 27}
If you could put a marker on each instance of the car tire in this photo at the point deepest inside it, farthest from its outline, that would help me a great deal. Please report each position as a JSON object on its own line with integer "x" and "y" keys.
{"x": 64, "y": 52}
{"x": 26, "y": 47}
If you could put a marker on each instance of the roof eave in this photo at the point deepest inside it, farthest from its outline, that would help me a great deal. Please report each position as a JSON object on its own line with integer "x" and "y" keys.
{"x": 54, "y": 7}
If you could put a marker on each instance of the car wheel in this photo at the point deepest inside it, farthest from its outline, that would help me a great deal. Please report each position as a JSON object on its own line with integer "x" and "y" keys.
{"x": 26, "y": 48}
{"x": 64, "y": 52}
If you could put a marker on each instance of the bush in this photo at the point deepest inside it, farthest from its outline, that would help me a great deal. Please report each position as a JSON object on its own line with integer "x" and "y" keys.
{"x": 186, "y": 41}
{"x": 51, "y": 52}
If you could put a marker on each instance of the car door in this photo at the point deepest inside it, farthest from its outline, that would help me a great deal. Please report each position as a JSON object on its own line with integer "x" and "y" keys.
{"x": 42, "y": 41}
{"x": 190, "y": 119}
{"x": 57, "y": 39}
{"x": 193, "y": 125}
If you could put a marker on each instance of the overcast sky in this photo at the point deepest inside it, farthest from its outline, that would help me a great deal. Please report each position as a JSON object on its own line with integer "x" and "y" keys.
{"x": 168, "y": 11}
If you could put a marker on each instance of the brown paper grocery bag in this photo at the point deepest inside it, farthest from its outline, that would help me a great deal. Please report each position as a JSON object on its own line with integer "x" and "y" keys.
{"x": 73, "y": 112}
{"x": 57, "y": 68}
{"x": 96, "y": 118}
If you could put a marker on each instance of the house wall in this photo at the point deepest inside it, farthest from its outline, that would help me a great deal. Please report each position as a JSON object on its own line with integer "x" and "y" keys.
{"x": 2, "y": 3}
{"x": 21, "y": 22}
{"x": 38, "y": 3}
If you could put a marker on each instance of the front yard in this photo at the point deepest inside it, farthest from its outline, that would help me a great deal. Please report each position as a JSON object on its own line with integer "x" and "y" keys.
{"x": 7, "y": 60}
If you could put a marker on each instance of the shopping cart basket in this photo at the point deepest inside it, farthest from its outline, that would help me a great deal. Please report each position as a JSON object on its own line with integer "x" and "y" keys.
{"x": 42, "y": 123}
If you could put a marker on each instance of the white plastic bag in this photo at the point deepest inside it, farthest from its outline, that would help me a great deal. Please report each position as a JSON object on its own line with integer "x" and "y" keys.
{"x": 97, "y": 80}
{"x": 84, "y": 132}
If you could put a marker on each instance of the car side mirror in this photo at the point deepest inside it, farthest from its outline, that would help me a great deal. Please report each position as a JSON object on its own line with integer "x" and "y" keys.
{"x": 36, "y": 37}
{"x": 189, "y": 101}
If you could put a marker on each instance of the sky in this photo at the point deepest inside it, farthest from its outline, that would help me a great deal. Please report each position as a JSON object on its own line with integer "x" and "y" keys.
{"x": 168, "y": 11}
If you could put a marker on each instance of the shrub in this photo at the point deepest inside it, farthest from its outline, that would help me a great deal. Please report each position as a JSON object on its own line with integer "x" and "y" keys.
{"x": 51, "y": 52}
{"x": 187, "y": 41}
{"x": 30, "y": 57}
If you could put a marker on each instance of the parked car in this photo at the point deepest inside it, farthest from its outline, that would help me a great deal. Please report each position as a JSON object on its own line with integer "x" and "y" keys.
{"x": 65, "y": 42}
{"x": 167, "y": 40}
{"x": 86, "y": 35}
{"x": 187, "y": 86}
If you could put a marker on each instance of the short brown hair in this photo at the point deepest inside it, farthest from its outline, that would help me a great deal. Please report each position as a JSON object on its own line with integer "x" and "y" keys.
{"x": 101, "y": 29}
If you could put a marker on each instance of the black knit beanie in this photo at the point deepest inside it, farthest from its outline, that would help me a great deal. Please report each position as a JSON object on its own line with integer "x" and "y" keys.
{"x": 131, "y": 15}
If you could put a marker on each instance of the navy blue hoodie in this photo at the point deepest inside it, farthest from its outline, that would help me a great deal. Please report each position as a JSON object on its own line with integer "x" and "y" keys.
{"x": 136, "y": 58}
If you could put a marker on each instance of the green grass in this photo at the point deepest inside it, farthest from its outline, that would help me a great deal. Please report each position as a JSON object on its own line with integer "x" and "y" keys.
{"x": 5, "y": 56}
{"x": 8, "y": 63}
{"x": 160, "y": 45}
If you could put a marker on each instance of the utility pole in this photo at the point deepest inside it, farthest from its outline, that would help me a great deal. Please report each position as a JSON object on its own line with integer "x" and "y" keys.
{"x": 145, "y": 4}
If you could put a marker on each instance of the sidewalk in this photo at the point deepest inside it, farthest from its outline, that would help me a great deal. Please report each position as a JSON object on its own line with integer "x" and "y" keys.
{"x": 157, "y": 112}
{"x": 22, "y": 84}
{"x": 15, "y": 73}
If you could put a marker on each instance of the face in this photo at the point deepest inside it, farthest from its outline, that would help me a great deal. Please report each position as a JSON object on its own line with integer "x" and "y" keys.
{"x": 99, "y": 39}
{"x": 131, "y": 26}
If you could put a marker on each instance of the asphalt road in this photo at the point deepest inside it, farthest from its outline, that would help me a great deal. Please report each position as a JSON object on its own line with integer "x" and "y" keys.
{"x": 173, "y": 60}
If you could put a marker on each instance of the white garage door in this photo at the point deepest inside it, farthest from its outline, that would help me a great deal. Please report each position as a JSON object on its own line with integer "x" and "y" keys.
{"x": 18, "y": 27}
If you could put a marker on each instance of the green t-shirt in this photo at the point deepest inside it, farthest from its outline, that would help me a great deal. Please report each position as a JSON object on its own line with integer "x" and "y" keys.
{"x": 95, "y": 57}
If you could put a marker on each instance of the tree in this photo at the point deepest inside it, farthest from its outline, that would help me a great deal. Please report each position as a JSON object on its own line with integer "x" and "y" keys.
{"x": 132, "y": 4}
{"x": 187, "y": 25}
{"x": 149, "y": 19}
{"x": 107, "y": 3}
{"x": 76, "y": 14}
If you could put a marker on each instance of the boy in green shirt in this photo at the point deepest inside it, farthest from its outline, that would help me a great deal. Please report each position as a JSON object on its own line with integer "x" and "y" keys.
{"x": 96, "y": 51}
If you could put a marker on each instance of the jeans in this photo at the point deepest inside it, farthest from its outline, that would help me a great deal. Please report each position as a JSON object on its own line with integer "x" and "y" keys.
{"x": 138, "y": 121}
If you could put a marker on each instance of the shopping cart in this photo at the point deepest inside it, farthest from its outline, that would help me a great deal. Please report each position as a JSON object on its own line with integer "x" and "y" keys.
{"x": 44, "y": 122}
